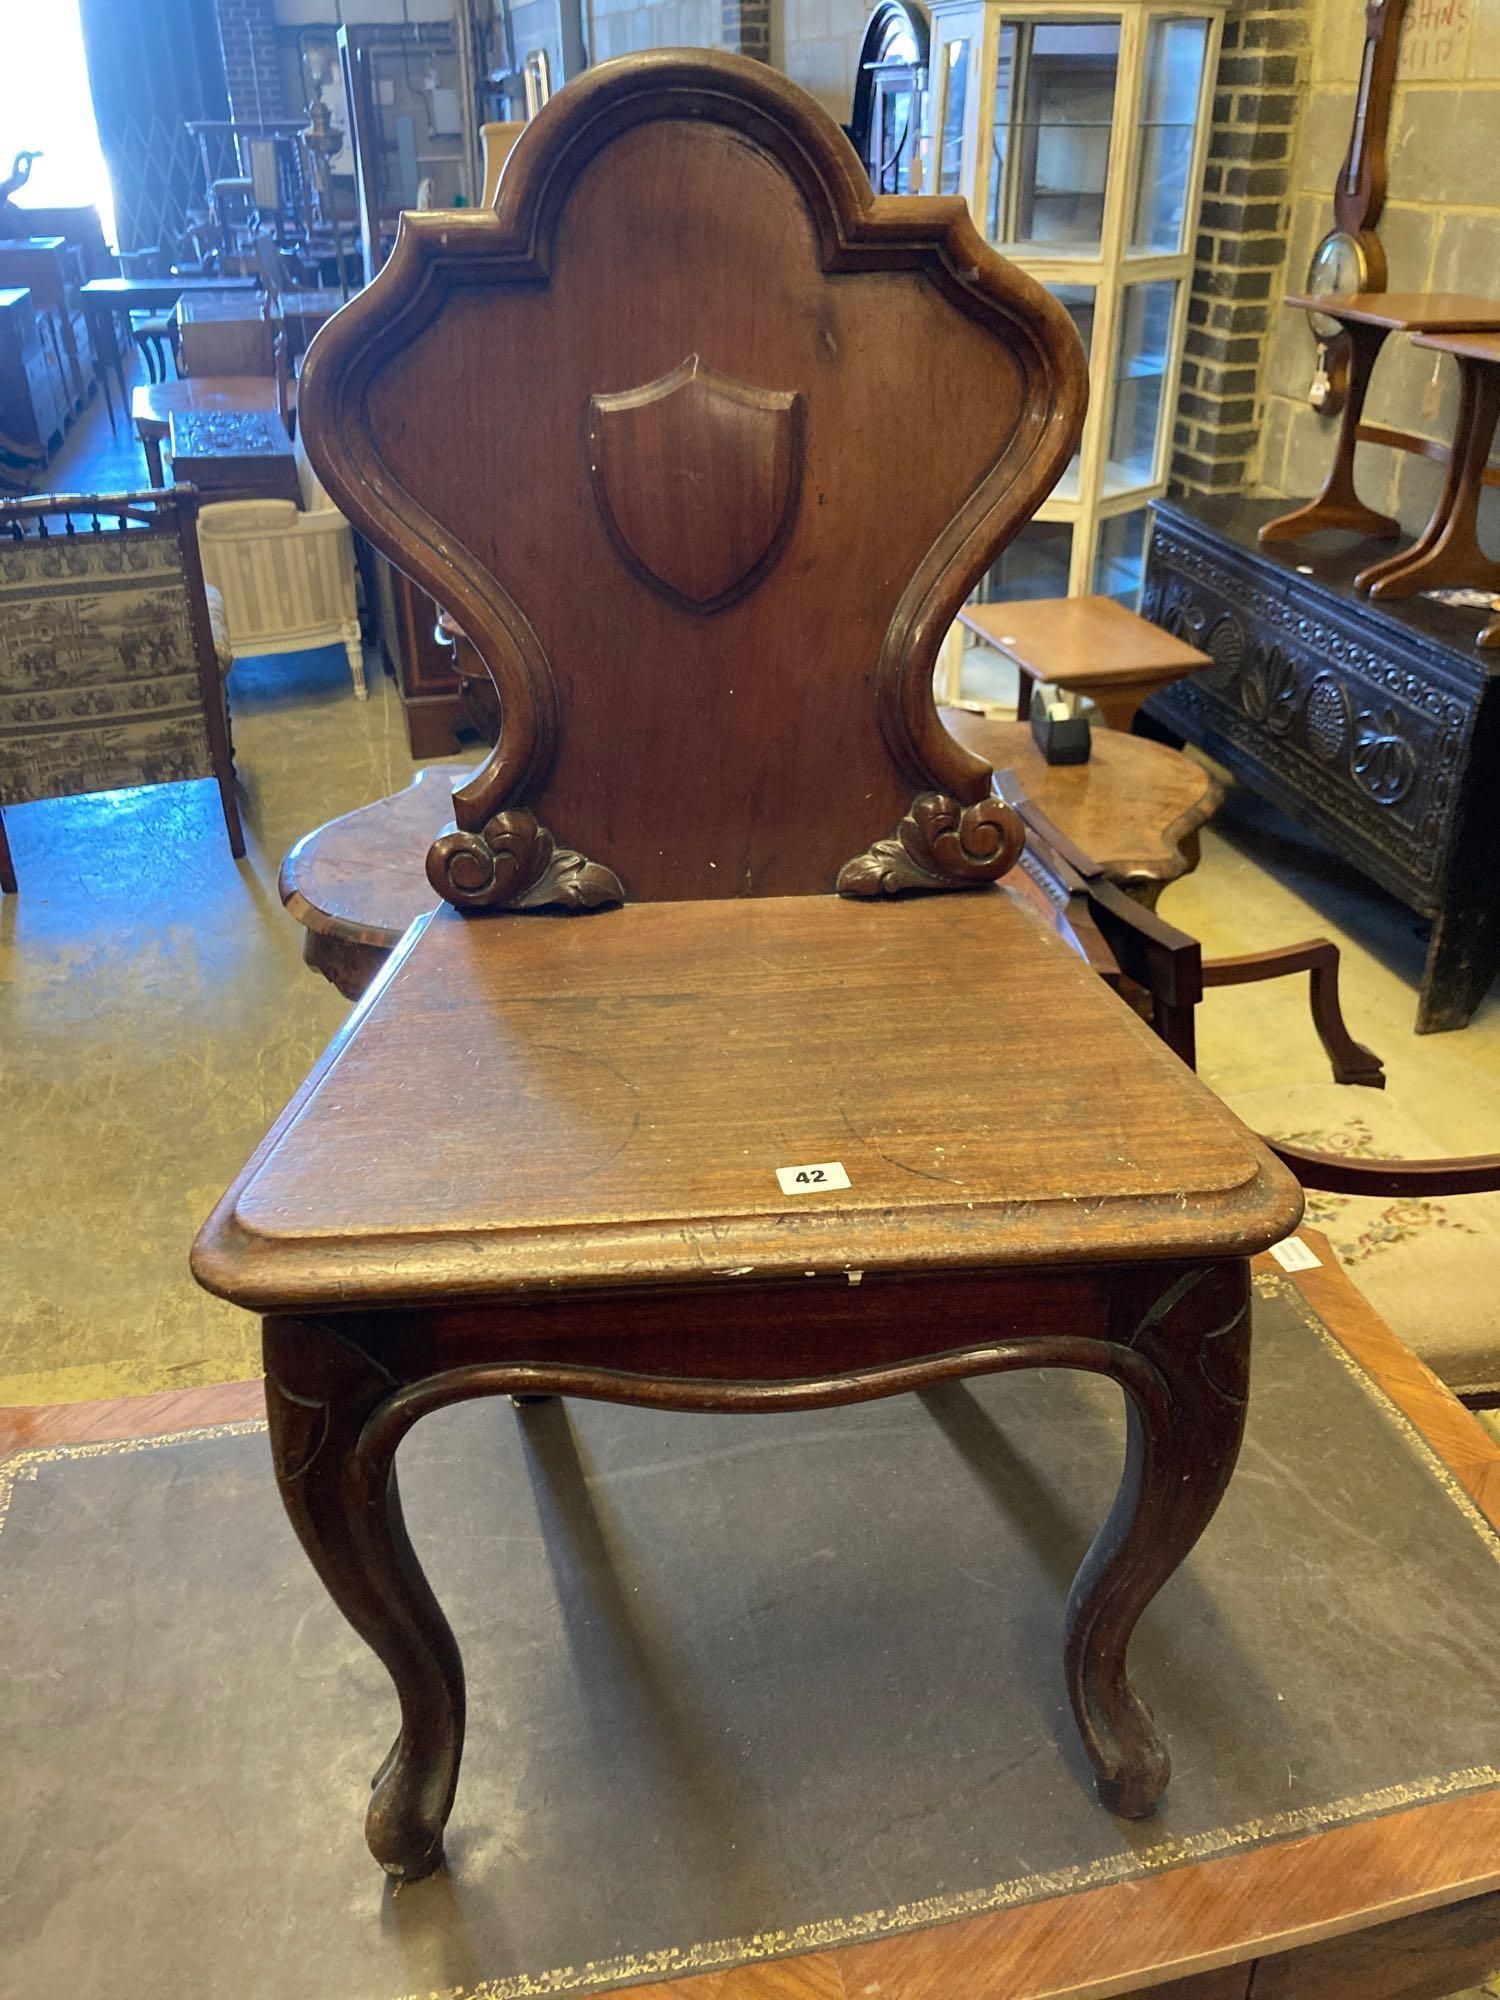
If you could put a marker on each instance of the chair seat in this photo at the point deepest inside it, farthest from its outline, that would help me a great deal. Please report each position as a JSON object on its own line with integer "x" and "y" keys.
{"x": 602, "y": 1097}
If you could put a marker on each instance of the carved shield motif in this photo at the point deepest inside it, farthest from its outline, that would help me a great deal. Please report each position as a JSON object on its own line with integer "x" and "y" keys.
{"x": 697, "y": 477}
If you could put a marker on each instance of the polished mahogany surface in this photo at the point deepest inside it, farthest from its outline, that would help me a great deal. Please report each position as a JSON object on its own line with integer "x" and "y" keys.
{"x": 548, "y": 1101}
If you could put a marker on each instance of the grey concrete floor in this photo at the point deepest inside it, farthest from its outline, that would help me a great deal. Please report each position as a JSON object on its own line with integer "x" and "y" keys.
{"x": 155, "y": 1015}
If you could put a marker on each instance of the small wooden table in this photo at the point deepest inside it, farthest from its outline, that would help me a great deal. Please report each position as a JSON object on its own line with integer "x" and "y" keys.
{"x": 1367, "y": 317}
{"x": 234, "y": 454}
{"x": 104, "y": 300}
{"x": 357, "y": 884}
{"x": 1447, "y": 551}
{"x": 153, "y": 406}
{"x": 1088, "y": 645}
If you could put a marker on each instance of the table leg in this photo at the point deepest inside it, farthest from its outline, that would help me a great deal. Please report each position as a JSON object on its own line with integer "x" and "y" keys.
{"x": 101, "y": 365}
{"x": 1338, "y": 505}
{"x": 107, "y": 348}
{"x": 1118, "y": 705}
{"x": 1025, "y": 689}
{"x": 1448, "y": 551}
{"x": 155, "y": 471}
{"x": 1182, "y": 1344}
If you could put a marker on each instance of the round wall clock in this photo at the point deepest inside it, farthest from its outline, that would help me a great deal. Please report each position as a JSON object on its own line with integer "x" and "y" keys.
{"x": 1342, "y": 263}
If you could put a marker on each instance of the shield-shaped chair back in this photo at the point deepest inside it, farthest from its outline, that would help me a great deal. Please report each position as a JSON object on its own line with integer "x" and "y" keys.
{"x": 703, "y": 445}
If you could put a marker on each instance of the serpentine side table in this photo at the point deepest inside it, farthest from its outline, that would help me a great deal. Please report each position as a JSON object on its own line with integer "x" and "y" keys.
{"x": 1367, "y": 317}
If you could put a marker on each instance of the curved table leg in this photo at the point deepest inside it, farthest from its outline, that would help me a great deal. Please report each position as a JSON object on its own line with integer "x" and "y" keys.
{"x": 1448, "y": 551}
{"x": 344, "y": 1502}
{"x": 1181, "y": 1447}
{"x": 1338, "y": 505}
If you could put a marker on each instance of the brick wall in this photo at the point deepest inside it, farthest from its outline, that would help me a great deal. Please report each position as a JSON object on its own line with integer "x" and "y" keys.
{"x": 247, "y": 34}
{"x": 745, "y": 26}
{"x": 1242, "y": 241}
{"x": 1440, "y": 231}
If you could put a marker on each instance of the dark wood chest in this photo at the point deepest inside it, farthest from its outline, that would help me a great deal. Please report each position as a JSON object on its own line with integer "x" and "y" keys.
{"x": 1378, "y": 726}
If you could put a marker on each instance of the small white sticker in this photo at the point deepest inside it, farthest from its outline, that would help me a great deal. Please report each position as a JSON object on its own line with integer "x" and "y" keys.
{"x": 807, "y": 1180}
{"x": 1292, "y": 1254}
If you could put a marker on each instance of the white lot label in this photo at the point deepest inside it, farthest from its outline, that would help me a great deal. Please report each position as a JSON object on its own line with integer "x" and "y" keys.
{"x": 804, "y": 1180}
{"x": 1292, "y": 1254}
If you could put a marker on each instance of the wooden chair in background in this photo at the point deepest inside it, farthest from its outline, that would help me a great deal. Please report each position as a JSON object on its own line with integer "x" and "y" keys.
{"x": 718, "y": 1141}
{"x": 109, "y": 673}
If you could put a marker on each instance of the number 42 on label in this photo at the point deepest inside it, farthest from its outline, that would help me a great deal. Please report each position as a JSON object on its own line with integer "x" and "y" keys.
{"x": 820, "y": 1176}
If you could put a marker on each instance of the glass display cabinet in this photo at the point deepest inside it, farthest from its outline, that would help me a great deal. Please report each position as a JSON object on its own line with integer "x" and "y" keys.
{"x": 1077, "y": 133}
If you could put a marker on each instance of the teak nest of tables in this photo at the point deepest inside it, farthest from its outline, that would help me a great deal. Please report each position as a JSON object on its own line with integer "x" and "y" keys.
{"x": 748, "y": 1135}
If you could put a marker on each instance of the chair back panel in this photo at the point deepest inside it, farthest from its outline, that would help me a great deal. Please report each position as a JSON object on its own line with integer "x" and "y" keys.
{"x": 703, "y": 446}
{"x": 102, "y": 677}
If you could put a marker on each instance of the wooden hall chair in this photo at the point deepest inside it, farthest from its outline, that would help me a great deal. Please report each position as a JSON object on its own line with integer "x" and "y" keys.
{"x": 717, "y": 1141}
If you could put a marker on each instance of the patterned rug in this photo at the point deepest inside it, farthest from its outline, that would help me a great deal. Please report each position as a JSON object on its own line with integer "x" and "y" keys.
{"x": 1429, "y": 1268}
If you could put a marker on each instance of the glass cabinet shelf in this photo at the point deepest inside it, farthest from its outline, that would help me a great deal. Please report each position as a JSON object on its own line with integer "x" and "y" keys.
{"x": 1076, "y": 131}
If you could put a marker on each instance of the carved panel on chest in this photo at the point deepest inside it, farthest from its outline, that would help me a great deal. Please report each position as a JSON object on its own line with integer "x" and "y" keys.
{"x": 1313, "y": 699}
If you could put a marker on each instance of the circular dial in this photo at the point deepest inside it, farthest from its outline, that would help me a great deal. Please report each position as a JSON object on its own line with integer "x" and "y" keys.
{"x": 1339, "y": 265}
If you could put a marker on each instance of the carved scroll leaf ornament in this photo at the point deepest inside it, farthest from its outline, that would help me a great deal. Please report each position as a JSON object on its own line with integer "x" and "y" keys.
{"x": 939, "y": 845}
{"x": 515, "y": 864}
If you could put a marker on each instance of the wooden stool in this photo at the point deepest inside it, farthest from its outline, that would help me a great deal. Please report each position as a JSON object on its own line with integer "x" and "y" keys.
{"x": 1367, "y": 318}
{"x": 1447, "y": 551}
{"x": 1088, "y": 645}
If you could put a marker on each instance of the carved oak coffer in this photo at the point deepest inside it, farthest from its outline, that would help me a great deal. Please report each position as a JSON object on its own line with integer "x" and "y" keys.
{"x": 1375, "y": 725}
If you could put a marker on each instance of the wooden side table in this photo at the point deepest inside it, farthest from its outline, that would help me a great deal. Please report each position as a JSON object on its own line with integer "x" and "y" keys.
{"x": 1088, "y": 645}
{"x": 1367, "y": 317}
{"x": 108, "y": 302}
{"x": 357, "y": 884}
{"x": 1447, "y": 551}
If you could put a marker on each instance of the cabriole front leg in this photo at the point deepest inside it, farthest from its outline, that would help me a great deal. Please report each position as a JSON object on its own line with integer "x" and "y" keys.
{"x": 1186, "y": 1335}
{"x": 338, "y": 1483}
